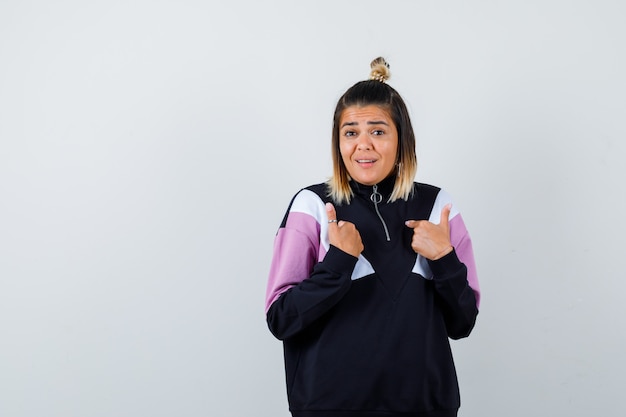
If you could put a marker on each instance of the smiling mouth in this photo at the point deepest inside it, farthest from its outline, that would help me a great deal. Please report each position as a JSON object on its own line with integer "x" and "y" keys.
{"x": 365, "y": 161}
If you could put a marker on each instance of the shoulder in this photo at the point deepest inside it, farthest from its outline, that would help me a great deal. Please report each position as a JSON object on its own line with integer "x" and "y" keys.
{"x": 439, "y": 197}
{"x": 311, "y": 196}
{"x": 308, "y": 201}
{"x": 435, "y": 198}
{"x": 308, "y": 194}
{"x": 321, "y": 190}
{"x": 422, "y": 190}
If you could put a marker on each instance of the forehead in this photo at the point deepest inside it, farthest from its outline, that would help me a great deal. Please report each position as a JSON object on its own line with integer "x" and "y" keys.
{"x": 365, "y": 114}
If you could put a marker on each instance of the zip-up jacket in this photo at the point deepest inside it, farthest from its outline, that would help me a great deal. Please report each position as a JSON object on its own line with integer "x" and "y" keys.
{"x": 369, "y": 336}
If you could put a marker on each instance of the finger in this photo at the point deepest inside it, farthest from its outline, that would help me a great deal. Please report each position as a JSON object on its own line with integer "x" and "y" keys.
{"x": 445, "y": 215}
{"x": 331, "y": 213}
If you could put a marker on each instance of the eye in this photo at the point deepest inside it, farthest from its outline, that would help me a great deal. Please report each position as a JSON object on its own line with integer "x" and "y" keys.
{"x": 349, "y": 133}
{"x": 378, "y": 132}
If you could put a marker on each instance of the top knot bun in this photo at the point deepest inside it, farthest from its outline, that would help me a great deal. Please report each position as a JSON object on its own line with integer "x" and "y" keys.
{"x": 380, "y": 70}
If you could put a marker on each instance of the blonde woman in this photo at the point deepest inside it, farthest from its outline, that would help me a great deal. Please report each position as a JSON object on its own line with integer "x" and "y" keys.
{"x": 372, "y": 274}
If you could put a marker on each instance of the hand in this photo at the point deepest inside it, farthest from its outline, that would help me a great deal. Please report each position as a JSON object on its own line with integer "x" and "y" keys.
{"x": 430, "y": 240}
{"x": 343, "y": 235}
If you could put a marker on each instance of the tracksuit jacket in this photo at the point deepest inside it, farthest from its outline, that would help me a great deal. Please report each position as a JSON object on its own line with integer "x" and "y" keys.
{"x": 369, "y": 337}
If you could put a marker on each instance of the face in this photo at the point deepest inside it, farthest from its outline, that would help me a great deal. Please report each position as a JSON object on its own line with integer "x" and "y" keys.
{"x": 368, "y": 142}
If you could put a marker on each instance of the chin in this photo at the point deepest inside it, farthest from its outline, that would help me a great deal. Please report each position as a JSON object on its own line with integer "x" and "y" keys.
{"x": 368, "y": 181}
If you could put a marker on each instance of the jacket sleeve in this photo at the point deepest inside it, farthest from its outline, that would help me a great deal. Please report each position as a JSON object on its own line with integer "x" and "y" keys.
{"x": 304, "y": 303}
{"x": 307, "y": 275}
{"x": 454, "y": 295}
{"x": 454, "y": 275}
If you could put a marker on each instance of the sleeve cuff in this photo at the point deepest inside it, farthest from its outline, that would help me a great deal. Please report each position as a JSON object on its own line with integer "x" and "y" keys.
{"x": 339, "y": 261}
{"x": 445, "y": 265}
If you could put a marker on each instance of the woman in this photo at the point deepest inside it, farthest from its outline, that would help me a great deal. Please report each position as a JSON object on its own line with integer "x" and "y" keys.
{"x": 372, "y": 274}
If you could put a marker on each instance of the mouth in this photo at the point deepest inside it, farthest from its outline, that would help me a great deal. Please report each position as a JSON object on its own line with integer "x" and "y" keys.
{"x": 365, "y": 161}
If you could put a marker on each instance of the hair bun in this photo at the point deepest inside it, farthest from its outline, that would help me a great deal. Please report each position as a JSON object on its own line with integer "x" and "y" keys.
{"x": 380, "y": 70}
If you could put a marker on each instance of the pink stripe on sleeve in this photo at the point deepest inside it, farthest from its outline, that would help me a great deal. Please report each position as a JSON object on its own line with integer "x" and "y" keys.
{"x": 296, "y": 250}
{"x": 462, "y": 243}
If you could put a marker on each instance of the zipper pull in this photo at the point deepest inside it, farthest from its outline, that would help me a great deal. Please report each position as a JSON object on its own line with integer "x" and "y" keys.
{"x": 376, "y": 198}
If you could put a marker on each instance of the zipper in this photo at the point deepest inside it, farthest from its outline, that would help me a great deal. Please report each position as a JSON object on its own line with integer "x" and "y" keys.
{"x": 376, "y": 198}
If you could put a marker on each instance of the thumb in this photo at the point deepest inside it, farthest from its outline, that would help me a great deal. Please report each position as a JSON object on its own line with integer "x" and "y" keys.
{"x": 445, "y": 215}
{"x": 330, "y": 212}
{"x": 411, "y": 223}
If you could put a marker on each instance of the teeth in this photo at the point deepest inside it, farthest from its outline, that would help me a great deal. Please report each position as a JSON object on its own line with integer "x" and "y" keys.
{"x": 364, "y": 160}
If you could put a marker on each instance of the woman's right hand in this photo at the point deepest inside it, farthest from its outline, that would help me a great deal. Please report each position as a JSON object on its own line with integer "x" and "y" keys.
{"x": 343, "y": 235}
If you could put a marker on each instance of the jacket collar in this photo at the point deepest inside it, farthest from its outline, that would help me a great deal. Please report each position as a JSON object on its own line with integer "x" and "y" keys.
{"x": 385, "y": 187}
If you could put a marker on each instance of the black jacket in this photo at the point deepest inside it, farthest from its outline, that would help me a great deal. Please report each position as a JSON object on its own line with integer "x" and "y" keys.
{"x": 369, "y": 337}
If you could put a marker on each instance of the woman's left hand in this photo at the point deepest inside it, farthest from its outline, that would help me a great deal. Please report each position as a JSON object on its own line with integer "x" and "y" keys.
{"x": 430, "y": 240}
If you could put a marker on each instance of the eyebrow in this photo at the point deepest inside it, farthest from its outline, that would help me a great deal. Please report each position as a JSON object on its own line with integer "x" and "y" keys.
{"x": 373, "y": 122}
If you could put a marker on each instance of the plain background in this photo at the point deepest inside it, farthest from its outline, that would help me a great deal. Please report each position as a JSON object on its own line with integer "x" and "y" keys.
{"x": 149, "y": 149}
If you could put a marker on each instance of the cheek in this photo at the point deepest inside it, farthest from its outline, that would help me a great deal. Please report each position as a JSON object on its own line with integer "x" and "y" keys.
{"x": 346, "y": 151}
{"x": 392, "y": 151}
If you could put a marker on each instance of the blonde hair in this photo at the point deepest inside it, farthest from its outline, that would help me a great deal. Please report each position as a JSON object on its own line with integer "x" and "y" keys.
{"x": 379, "y": 70}
{"x": 375, "y": 92}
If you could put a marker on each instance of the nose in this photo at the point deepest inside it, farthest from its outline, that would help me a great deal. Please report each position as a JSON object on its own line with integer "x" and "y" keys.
{"x": 364, "y": 142}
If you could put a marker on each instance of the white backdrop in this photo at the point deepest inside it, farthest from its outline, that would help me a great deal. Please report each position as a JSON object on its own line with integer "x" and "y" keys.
{"x": 148, "y": 150}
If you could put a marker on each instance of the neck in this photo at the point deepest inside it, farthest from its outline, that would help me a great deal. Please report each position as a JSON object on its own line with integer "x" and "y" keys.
{"x": 384, "y": 187}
